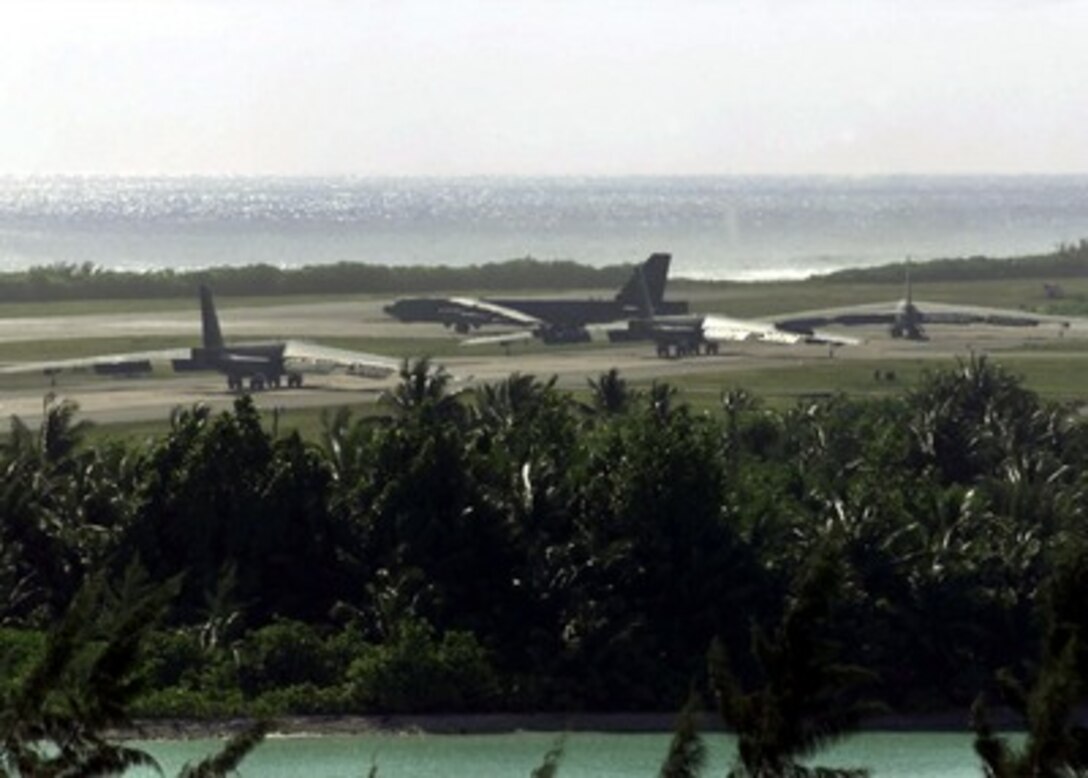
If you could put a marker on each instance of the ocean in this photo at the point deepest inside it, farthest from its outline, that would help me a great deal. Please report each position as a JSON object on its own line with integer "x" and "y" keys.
{"x": 715, "y": 227}
{"x": 585, "y": 755}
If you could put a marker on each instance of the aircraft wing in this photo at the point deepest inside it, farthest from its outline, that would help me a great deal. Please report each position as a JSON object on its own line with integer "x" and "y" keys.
{"x": 305, "y": 357}
{"x": 600, "y": 333}
{"x": 299, "y": 356}
{"x": 133, "y": 363}
{"x": 929, "y": 313}
{"x": 810, "y": 322}
{"x": 498, "y": 314}
{"x": 719, "y": 329}
{"x": 789, "y": 332}
{"x": 935, "y": 313}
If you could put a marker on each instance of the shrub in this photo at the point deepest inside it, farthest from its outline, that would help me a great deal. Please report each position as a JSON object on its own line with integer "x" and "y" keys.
{"x": 19, "y": 649}
{"x": 414, "y": 671}
{"x": 304, "y": 700}
{"x": 177, "y": 702}
{"x": 173, "y": 659}
{"x": 284, "y": 654}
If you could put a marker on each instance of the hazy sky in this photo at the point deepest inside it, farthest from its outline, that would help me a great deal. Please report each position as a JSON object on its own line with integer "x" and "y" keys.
{"x": 483, "y": 87}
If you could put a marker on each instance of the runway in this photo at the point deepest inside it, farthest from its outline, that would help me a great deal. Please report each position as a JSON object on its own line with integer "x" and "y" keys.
{"x": 128, "y": 400}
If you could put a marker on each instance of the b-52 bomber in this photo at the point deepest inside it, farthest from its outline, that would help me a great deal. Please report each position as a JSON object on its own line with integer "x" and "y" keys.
{"x": 266, "y": 365}
{"x": 680, "y": 336}
{"x": 906, "y": 319}
{"x": 551, "y": 320}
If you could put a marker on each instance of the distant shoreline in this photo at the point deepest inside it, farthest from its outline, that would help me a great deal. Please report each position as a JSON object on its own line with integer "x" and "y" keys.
{"x": 508, "y": 723}
{"x": 87, "y": 282}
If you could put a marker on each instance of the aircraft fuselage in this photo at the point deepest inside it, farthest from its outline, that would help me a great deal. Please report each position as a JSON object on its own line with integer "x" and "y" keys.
{"x": 261, "y": 364}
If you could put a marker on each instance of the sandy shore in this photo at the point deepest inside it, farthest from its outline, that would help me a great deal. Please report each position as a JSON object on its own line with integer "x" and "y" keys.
{"x": 504, "y": 723}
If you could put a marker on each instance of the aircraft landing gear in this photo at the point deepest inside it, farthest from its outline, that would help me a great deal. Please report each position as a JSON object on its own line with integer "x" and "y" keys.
{"x": 682, "y": 349}
{"x": 258, "y": 382}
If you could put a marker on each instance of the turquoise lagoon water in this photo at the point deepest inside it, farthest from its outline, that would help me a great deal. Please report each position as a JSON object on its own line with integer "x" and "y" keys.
{"x": 586, "y": 755}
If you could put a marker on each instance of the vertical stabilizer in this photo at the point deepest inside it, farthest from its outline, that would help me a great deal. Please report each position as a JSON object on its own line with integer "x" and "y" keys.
{"x": 909, "y": 292}
{"x": 646, "y": 308}
{"x": 209, "y": 321}
{"x": 647, "y": 281}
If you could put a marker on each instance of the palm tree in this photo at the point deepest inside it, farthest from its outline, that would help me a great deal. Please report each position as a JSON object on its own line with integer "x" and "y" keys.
{"x": 423, "y": 393}
{"x": 61, "y": 505}
{"x": 961, "y": 415}
{"x": 734, "y": 403}
{"x": 235, "y": 750}
{"x": 611, "y": 393}
{"x": 53, "y": 722}
{"x": 687, "y": 751}
{"x": 808, "y": 699}
{"x": 505, "y": 404}
{"x": 60, "y": 434}
{"x": 662, "y": 401}
{"x": 345, "y": 442}
{"x": 1056, "y": 744}
{"x": 549, "y": 768}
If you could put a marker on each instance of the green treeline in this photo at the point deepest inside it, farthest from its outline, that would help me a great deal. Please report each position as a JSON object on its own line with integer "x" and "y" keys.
{"x": 1068, "y": 260}
{"x": 89, "y": 282}
{"x": 64, "y": 282}
{"x": 513, "y": 548}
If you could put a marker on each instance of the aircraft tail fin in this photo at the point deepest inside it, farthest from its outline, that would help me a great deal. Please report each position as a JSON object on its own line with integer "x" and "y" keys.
{"x": 646, "y": 307}
{"x": 209, "y": 320}
{"x": 908, "y": 290}
{"x": 647, "y": 281}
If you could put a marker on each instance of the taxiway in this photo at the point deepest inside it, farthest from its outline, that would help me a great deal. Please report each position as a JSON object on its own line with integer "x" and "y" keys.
{"x": 128, "y": 400}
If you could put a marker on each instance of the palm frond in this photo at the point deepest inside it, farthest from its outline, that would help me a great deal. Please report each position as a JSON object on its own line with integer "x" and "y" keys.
{"x": 549, "y": 768}
{"x": 687, "y": 751}
{"x": 235, "y": 750}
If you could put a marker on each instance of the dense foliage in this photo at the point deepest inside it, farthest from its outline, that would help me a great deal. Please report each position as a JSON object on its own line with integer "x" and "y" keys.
{"x": 1068, "y": 260}
{"x": 57, "y": 710}
{"x": 58, "y": 282}
{"x": 514, "y": 548}
{"x": 91, "y": 282}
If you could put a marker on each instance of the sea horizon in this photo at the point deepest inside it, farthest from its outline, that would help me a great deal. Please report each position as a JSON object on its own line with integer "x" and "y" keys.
{"x": 717, "y": 227}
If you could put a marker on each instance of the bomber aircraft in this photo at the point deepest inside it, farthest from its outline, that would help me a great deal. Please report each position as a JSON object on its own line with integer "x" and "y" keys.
{"x": 266, "y": 365}
{"x": 552, "y": 320}
{"x": 679, "y": 336}
{"x": 906, "y": 319}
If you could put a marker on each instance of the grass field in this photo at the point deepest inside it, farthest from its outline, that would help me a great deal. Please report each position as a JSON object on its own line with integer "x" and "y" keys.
{"x": 764, "y": 298}
{"x": 1056, "y": 377}
{"x": 395, "y": 348}
{"x": 306, "y": 421}
{"x": 106, "y": 307}
{"x": 44, "y": 350}
{"x": 773, "y": 298}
